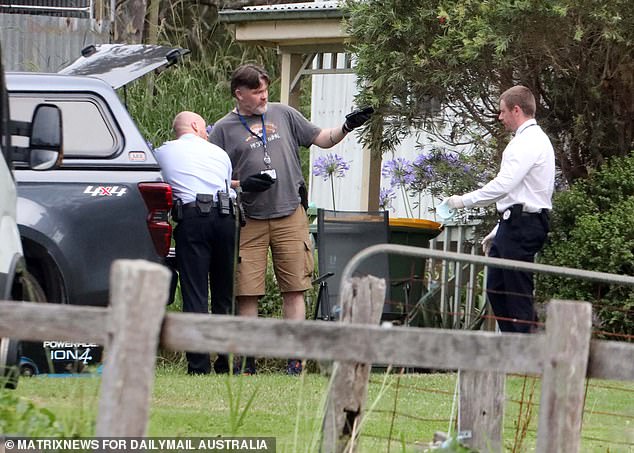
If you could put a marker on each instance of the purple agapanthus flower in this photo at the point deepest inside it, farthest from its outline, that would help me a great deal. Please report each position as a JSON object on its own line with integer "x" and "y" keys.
{"x": 423, "y": 169}
{"x": 330, "y": 165}
{"x": 399, "y": 171}
{"x": 401, "y": 174}
{"x": 386, "y": 197}
{"x": 451, "y": 158}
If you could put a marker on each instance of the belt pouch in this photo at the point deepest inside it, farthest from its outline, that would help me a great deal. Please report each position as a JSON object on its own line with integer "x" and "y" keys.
{"x": 516, "y": 214}
{"x": 177, "y": 210}
{"x": 204, "y": 202}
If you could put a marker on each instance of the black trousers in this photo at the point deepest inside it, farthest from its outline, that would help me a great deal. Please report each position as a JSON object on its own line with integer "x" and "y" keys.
{"x": 510, "y": 292}
{"x": 205, "y": 261}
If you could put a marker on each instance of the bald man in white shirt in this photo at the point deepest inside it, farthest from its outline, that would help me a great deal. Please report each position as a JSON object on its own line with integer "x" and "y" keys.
{"x": 199, "y": 173}
{"x": 522, "y": 191}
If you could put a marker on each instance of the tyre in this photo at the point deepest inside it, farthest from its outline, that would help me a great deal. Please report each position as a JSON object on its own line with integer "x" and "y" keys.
{"x": 45, "y": 271}
{"x": 9, "y": 359}
{"x": 27, "y": 370}
{"x": 28, "y": 289}
{"x": 25, "y": 289}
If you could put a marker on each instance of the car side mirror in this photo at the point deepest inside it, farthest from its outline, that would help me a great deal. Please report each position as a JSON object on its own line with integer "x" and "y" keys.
{"x": 45, "y": 143}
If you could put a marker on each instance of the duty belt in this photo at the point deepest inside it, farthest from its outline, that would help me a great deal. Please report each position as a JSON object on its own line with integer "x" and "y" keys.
{"x": 190, "y": 210}
{"x": 517, "y": 211}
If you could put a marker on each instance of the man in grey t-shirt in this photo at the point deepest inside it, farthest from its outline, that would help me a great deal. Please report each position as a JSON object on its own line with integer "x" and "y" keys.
{"x": 262, "y": 140}
{"x": 286, "y": 131}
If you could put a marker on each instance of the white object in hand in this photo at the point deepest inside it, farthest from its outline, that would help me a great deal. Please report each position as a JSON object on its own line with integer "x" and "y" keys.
{"x": 444, "y": 211}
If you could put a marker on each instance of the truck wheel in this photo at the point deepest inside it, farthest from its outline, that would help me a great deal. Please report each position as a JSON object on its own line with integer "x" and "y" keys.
{"x": 28, "y": 370}
{"x": 9, "y": 359}
{"x": 29, "y": 290}
{"x": 41, "y": 266}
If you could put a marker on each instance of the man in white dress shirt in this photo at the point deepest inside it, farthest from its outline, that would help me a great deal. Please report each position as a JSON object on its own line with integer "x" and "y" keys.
{"x": 200, "y": 174}
{"x": 522, "y": 191}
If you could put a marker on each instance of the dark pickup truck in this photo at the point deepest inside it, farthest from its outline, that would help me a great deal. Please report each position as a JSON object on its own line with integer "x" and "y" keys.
{"x": 107, "y": 200}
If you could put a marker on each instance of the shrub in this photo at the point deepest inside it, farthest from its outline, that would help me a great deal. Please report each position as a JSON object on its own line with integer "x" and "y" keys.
{"x": 592, "y": 228}
{"x": 20, "y": 417}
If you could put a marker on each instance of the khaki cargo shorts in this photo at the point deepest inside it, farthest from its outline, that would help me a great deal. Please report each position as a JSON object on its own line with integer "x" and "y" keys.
{"x": 291, "y": 249}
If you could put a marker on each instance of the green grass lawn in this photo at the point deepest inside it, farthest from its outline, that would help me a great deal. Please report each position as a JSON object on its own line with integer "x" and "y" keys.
{"x": 405, "y": 408}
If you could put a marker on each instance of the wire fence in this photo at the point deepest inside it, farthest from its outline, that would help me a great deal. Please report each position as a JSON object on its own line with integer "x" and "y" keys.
{"x": 608, "y": 415}
{"x": 455, "y": 298}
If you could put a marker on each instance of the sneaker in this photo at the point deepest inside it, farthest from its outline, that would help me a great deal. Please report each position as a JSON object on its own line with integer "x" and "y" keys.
{"x": 294, "y": 367}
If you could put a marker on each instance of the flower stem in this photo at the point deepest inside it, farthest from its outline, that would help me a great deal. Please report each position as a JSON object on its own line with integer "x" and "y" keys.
{"x": 332, "y": 191}
{"x": 419, "y": 201}
{"x": 408, "y": 208}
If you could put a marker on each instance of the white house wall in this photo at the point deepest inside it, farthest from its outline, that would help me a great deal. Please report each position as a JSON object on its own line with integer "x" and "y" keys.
{"x": 332, "y": 98}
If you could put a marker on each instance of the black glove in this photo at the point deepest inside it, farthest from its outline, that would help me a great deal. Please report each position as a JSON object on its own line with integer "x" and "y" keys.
{"x": 257, "y": 183}
{"x": 357, "y": 118}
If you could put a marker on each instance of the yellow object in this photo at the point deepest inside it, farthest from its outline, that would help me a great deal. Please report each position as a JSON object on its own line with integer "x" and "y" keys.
{"x": 416, "y": 224}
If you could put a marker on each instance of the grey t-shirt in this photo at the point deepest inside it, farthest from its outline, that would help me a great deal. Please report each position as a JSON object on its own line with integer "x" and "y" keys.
{"x": 286, "y": 131}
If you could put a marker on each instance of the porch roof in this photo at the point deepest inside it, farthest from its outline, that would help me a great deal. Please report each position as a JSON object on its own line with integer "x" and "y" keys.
{"x": 298, "y": 28}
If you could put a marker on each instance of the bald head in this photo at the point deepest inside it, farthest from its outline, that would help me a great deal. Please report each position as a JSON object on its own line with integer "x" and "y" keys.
{"x": 189, "y": 123}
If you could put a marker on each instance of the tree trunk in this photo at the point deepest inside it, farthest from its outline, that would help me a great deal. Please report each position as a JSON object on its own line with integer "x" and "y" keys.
{"x": 129, "y": 21}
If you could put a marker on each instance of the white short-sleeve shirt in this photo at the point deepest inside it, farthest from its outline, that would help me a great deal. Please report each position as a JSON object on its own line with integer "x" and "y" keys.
{"x": 192, "y": 165}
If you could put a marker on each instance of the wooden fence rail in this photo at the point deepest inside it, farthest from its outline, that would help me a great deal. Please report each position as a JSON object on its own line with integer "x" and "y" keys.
{"x": 130, "y": 329}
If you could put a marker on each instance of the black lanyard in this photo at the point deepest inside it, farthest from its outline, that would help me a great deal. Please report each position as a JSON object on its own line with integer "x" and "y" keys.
{"x": 262, "y": 138}
{"x": 530, "y": 125}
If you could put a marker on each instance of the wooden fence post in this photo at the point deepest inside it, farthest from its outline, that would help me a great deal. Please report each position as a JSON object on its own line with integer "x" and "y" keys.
{"x": 362, "y": 302}
{"x": 481, "y": 409}
{"x": 138, "y": 296}
{"x": 568, "y": 331}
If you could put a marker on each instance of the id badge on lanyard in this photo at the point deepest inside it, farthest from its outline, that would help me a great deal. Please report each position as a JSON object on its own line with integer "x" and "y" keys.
{"x": 267, "y": 158}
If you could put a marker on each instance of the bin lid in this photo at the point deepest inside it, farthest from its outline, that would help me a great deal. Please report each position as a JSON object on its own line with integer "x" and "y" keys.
{"x": 420, "y": 228}
{"x": 415, "y": 223}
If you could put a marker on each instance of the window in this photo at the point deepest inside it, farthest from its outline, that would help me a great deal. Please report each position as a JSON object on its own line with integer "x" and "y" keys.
{"x": 88, "y": 131}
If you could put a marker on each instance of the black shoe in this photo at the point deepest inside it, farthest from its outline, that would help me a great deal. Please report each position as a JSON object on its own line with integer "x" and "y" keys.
{"x": 221, "y": 364}
{"x": 198, "y": 363}
{"x": 197, "y": 372}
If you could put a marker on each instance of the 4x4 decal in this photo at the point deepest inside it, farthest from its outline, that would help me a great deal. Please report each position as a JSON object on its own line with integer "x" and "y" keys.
{"x": 105, "y": 191}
